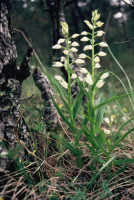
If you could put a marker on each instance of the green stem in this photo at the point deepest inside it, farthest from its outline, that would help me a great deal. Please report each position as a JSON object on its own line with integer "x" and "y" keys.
{"x": 92, "y": 97}
{"x": 69, "y": 86}
{"x": 93, "y": 53}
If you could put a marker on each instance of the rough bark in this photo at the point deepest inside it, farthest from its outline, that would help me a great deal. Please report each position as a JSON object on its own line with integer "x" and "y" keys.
{"x": 50, "y": 113}
{"x": 11, "y": 78}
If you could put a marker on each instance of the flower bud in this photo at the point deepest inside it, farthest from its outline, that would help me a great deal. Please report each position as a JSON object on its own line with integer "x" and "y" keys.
{"x": 63, "y": 59}
{"x": 84, "y": 39}
{"x": 82, "y": 55}
{"x": 88, "y": 79}
{"x": 101, "y": 53}
{"x": 96, "y": 59}
{"x": 61, "y": 40}
{"x": 106, "y": 131}
{"x": 99, "y": 23}
{"x": 64, "y": 84}
{"x": 86, "y": 21}
{"x": 66, "y": 52}
{"x": 75, "y": 35}
{"x": 103, "y": 44}
{"x": 57, "y": 64}
{"x": 74, "y": 76}
{"x": 56, "y": 46}
{"x": 58, "y": 78}
{"x": 88, "y": 47}
{"x": 84, "y": 33}
{"x": 88, "y": 24}
{"x": 95, "y": 15}
{"x": 73, "y": 49}
{"x": 65, "y": 27}
{"x": 97, "y": 65}
{"x": 105, "y": 75}
{"x": 100, "y": 83}
{"x": 79, "y": 61}
{"x": 83, "y": 70}
{"x": 106, "y": 120}
{"x": 100, "y": 33}
{"x": 75, "y": 44}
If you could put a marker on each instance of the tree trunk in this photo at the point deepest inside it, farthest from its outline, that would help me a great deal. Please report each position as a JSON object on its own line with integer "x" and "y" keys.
{"x": 11, "y": 78}
{"x": 50, "y": 112}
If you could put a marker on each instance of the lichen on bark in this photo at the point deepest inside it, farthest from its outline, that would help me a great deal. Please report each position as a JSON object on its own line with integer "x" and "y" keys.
{"x": 11, "y": 78}
{"x": 50, "y": 113}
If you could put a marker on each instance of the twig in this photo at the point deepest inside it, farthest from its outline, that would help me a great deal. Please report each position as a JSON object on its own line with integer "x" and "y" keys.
{"x": 27, "y": 98}
{"x": 124, "y": 41}
{"x": 32, "y": 47}
{"x": 44, "y": 161}
{"x": 88, "y": 164}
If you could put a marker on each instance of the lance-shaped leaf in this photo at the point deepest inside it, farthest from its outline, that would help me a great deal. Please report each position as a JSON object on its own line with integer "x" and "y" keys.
{"x": 100, "y": 111}
{"x": 118, "y": 132}
{"x": 77, "y": 104}
{"x": 95, "y": 154}
{"x": 123, "y": 161}
{"x": 100, "y": 170}
{"x": 89, "y": 135}
{"x": 112, "y": 99}
{"x": 66, "y": 144}
{"x": 74, "y": 131}
{"x": 119, "y": 140}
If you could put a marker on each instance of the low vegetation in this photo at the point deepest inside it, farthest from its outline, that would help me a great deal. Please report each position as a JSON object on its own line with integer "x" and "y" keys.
{"x": 90, "y": 153}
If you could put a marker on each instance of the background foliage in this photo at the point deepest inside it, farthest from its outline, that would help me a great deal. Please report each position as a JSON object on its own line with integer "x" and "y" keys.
{"x": 32, "y": 17}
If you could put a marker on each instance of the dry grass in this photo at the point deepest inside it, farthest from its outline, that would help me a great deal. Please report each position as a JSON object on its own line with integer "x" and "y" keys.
{"x": 52, "y": 173}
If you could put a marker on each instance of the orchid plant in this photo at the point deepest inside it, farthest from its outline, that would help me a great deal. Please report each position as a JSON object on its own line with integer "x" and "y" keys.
{"x": 89, "y": 86}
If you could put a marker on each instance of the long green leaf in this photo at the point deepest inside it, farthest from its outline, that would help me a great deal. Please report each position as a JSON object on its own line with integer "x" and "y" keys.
{"x": 93, "y": 122}
{"x": 95, "y": 154}
{"x": 66, "y": 104}
{"x": 118, "y": 141}
{"x": 90, "y": 139}
{"x": 85, "y": 121}
{"x": 77, "y": 97}
{"x": 112, "y": 99}
{"x": 99, "y": 112}
{"x": 82, "y": 88}
{"x": 77, "y": 105}
{"x": 118, "y": 172}
{"x": 129, "y": 83}
{"x": 102, "y": 138}
{"x": 124, "y": 87}
{"x": 118, "y": 132}
{"x": 64, "y": 117}
{"x": 66, "y": 144}
{"x": 100, "y": 170}
{"x": 88, "y": 132}
{"x": 123, "y": 161}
